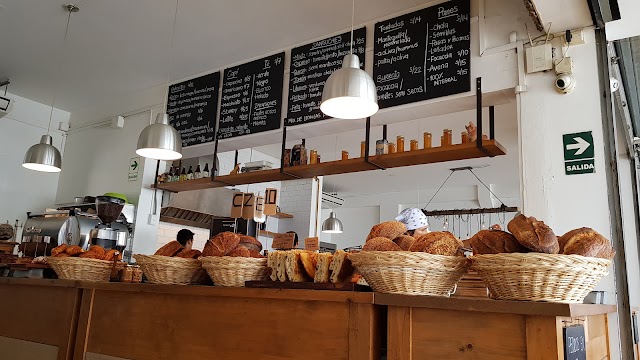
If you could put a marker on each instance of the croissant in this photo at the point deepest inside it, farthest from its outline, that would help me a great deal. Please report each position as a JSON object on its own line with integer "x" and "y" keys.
{"x": 98, "y": 249}
{"x": 62, "y": 254}
{"x": 58, "y": 249}
{"x": 111, "y": 255}
{"x": 90, "y": 255}
{"x": 73, "y": 250}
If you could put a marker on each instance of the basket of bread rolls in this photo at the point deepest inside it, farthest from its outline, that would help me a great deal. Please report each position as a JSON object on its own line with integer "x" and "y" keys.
{"x": 396, "y": 263}
{"x": 530, "y": 263}
{"x": 172, "y": 264}
{"x": 71, "y": 262}
{"x": 232, "y": 259}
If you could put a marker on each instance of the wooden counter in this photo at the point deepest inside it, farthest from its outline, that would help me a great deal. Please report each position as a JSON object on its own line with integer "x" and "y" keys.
{"x": 39, "y": 318}
{"x": 421, "y": 327}
{"x": 142, "y": 321}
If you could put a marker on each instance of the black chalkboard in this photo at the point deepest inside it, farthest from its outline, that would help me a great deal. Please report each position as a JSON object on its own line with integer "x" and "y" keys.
{"x": 252, "y": 97}
{"x": 192, "y": 106}
{"x": 574, "y": 343}
{"x": 423, "y": 55}
{"x": 311, "y": 66}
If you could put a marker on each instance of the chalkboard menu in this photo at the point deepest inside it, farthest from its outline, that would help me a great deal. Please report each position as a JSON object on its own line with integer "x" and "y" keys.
{"x": 252, "y": 97}
{"x": 192, "y": 107}
{"x": 574, "y": 343}
{"x": 423, "y": 55}
{"x": 311, "y": 66}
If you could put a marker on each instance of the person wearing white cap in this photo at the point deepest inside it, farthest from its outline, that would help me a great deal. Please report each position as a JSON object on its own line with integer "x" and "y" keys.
{"x": 416, "y": 221}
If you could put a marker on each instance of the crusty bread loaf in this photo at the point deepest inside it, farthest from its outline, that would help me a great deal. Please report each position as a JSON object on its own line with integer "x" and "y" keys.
{"x": 322, "y": 270}
{"x": 388, "y": 229}
{"x": 281, "y": 266}
{"x": 250, "y": 243}
{"x": 534, "y": 234}
{"x": 73, "y": 250}
{"x": 169, "y": 249}
{"x": 239, "y": 251}
{"x": 438, "y": 243}
{"x": 380, "y": 244}
{"x": 586, "y": 242}
{"x": 272, "y": 264}
{"x": 189, "y": 254}
{"x": 309, "y": 261}
{"x": 211, "y": 250}
{"x": 226, "y": 241}
{"x": 340, "y": 267}
{"x": 495, "y": 242}
{"x": 405, "y": 242}
{"x": 58, "y": 249}
{"x": 294, "y": 267}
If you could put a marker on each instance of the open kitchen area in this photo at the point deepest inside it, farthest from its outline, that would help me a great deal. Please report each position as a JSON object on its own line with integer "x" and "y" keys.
{"x": 355, "y": 180}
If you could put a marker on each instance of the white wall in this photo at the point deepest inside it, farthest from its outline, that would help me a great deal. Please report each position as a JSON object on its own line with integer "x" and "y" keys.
{"x": 22, "y": 189}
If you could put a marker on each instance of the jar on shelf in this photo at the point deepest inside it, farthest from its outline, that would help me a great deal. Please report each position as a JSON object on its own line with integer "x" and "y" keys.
{"x": 448, "y": 136}
{"x": 464, "y": 137}
{"x": 382, "y": 147}
{"x": 427, "y": 140}
{"x": 400, "y": 144}
{"x": 345, "y": 155}
{"x": 392, "y": 148}
{"x": 413, "y": 145}
{"x": 363, "y": 148}
{"x": 313, "y": 156}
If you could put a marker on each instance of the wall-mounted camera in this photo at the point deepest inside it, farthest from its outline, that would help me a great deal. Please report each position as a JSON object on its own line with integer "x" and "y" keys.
{"x": 565, "y": 83}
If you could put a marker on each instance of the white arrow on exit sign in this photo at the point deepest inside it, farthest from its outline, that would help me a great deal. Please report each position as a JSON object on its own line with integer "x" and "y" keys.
{"x": 581, "y": 145}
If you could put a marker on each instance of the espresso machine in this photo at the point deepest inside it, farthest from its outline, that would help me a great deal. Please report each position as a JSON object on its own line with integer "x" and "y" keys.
{"x": 108, "y": 210}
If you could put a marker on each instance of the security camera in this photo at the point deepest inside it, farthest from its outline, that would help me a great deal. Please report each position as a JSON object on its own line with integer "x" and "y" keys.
{"x": 614, "y": 84}
{"x": 565, "y": 83}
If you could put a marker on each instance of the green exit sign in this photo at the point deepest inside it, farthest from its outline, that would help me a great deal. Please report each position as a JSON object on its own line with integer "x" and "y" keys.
{"x": 578, "y": 153}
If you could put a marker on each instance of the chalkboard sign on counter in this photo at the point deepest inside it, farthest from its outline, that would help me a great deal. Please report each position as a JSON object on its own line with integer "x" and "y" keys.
{"x": 574, "y": 343}
{"x": 192, "y": 107}
{"x": 252, "y": 97}
{"x": 311, "y": 66}
{"x": 423, "y": 55}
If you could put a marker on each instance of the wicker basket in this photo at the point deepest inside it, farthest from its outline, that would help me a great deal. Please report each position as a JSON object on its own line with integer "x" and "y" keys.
{"x": 410, "y": 273}
{"x": 171, "y": 270}
{"x": 234, "y": 271}
{"x": 75, "y": 268}
{"x": 540, "y": 277}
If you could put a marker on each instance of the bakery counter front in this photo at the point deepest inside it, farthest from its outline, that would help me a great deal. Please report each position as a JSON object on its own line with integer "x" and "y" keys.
{"x": 144, "y": 321}
{"x": 423, "y": 327}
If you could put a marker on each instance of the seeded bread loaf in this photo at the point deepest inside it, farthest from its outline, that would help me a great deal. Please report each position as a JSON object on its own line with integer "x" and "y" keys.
{"x": 322, "y": 270}
{"x": 294, "y": 267}
{"x": 309, "y": 261}
{"x": 438, "y": 243}
{"x": 388, "y": 229}
{"x": 341, "y": 268}
{"x": 405, "y": 242}
{"x": 380, "y": 244}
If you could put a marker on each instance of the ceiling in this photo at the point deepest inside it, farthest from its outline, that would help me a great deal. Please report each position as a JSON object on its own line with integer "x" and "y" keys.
{"x": 117, "y": 47}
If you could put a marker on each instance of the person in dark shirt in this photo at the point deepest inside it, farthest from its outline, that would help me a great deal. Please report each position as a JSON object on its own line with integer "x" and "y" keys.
{"x": 185, "y": 238}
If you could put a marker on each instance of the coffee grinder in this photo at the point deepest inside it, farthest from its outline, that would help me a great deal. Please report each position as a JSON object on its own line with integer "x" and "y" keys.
{"x": 108, "y": 209}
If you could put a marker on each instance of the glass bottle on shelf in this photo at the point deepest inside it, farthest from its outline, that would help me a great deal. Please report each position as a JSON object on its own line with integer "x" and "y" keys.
{"x": 183, "y": 174}
{"x": 170, "y": 176}
{"x": 205, "y": 173}
{"x": 198, "y": 173}
{"x": 190, "y": 173}
{"x": 176, "y": 174}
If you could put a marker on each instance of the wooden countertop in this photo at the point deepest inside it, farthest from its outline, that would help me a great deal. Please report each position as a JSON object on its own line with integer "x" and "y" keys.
{"x": 38, "y": 282}
{"x": 494, "y": 306}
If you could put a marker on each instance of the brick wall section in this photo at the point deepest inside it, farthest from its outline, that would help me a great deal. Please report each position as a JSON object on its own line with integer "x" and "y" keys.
{"x": 297, "y": 197}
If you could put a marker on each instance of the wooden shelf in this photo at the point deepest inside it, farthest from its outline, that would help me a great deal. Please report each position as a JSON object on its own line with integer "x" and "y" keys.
{"x": 407, "y": 158}
{"x": 281, "y": 215}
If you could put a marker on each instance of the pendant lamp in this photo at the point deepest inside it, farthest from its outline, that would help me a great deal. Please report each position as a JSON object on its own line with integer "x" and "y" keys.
{"x": 44, "y": 156}
{"x": 160, "y": 140}
{"x": 349, "y": 92}
{"x": 332, "y": 225}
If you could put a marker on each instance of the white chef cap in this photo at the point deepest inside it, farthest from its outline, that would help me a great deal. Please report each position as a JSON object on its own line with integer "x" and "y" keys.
{"x": 413, "y": 218}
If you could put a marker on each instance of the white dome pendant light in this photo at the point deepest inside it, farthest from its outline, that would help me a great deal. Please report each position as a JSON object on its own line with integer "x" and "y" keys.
{"x": 44, "y": 156}
{"x": 160, "y": 140}
{"x": 349, "y": 93}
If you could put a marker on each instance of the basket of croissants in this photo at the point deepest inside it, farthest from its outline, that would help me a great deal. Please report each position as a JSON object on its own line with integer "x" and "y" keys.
{"x": 172, "y": 264}
{"x": 71, "y": 262}
{"x": 530, "y": 263}
{"x": 231, "y": 259}
{"x": 395, "y": 263}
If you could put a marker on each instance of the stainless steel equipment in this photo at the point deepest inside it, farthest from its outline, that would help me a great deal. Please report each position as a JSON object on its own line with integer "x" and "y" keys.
{"x": 42, "y": 232}
{"x": 108, "y": 210}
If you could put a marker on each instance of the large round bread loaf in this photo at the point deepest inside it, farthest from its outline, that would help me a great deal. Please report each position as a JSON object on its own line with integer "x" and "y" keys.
{"x": 380, "y": 244}
{"x": 388, "y": 229}
{"x": 438, "y": 243}
{"x": 534, "y": 235}
{"x": 405, "y": 242}
{"x": 495, "y": 242}
{"x": 586, "y": 242}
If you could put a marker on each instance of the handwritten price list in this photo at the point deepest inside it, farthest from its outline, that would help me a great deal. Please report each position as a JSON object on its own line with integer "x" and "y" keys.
{"x": 311, "y": 66}
{"x": 423, "y": 55}
{"x": 192, "y": 107}
{"x": 252, "y": 97}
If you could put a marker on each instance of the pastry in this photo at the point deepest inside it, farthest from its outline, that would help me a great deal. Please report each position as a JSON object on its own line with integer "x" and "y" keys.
{"x": 322, "y": 270}
{"x": 255, "y": 254}
{"x": 340, "y": 267}
{"x": 272, "y": 263}
{"x": 495, "y": 242}
{"x": 110, "y": 255}
{"x": 239, "y": 251}
{"x": 62, "y": 254}
{"x": 98, "y": 249}
{"x": 586, "y": 242}
{"x": 281, "y": 266}
{"x": 73, "y": 250}
{"x": 169, "y": 249}
{"x": 58, "y": 249}
{"x": 294, "y": 267}
{"x": 389, "y": 230}
{"x": 189, "y": 254}
{"x": 309, "y": 262}
{"x": 404, "y": 241}
{"x": 380, "y": 244}
{"x": 250, "y": 243}
{"x": 225, "y": 242}
{"x": 438, "y": 243}
{"x": 533, "y": 234}
{"x": 91, "y": 255}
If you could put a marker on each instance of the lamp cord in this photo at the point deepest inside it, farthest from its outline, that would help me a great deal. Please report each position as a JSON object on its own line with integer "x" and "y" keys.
{"x": 440, "y": 188}
{"x": 353, "y": 15}
{"x": 173, "y": 35}
{"x": 55, "y": 91}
